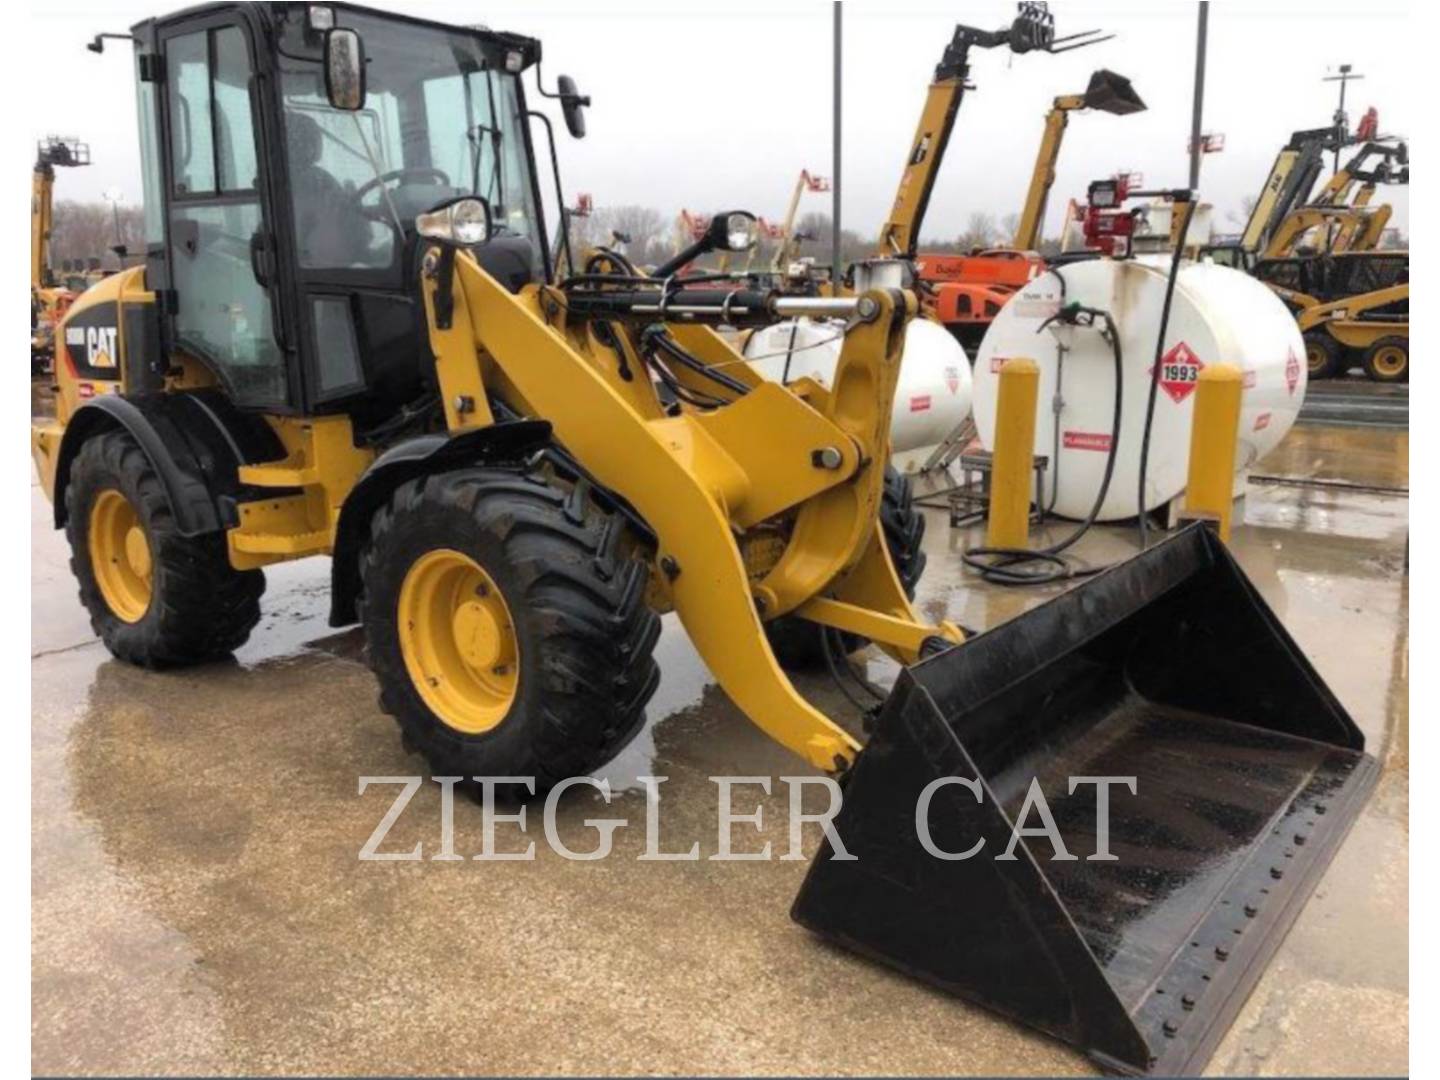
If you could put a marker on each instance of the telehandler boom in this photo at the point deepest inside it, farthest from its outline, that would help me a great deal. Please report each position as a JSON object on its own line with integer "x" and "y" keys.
{"x": 349, "y": 339}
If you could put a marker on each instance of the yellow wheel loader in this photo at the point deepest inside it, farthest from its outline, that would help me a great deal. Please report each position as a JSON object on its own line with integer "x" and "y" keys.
{"x": 349, "y": 338}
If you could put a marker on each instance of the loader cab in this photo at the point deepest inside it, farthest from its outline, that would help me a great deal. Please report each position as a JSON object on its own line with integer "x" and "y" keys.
{"x": 281, "y": 229}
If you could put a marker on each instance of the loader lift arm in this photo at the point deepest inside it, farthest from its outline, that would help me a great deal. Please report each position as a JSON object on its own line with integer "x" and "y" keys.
{"x": 700, "y": 477}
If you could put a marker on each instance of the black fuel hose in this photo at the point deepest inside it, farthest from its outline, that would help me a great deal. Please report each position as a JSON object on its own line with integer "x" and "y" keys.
{"x": 1002, "y": 566}
{"x": 1155, "y": 370}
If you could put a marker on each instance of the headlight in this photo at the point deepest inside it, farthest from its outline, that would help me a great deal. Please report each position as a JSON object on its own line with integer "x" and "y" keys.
{"x": 740, "y": 231}
{"x": 464, "y": 221}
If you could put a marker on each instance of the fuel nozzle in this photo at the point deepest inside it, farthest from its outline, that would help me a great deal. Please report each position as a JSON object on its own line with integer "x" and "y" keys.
{"x": 1074, "y": 314}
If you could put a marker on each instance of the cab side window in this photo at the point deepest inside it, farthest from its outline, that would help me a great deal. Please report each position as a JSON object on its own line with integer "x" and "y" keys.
{"x": 212, "y": 134}
{"x": 223, "y": 312}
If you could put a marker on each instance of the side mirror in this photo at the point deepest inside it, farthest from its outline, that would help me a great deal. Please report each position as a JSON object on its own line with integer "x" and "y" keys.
{"x": 572, "y": 104}
{"x": 344, "y": 69}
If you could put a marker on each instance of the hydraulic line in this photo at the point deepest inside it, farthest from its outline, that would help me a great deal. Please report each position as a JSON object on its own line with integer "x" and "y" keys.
{"x": 655, "y": 337}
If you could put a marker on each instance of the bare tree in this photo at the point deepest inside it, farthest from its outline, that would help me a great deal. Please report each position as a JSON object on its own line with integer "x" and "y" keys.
{"x": 980, "y": 231}
{"x": 1247, "y": 207}
{"x": 1009, "y": 226}
{"x": 86, "y": 231}
{"x": 643, "y": 225}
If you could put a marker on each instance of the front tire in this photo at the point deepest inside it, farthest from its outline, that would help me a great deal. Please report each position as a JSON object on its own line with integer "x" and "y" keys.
{"x": 155, "y": 597}
{"x": 506, "y": 622}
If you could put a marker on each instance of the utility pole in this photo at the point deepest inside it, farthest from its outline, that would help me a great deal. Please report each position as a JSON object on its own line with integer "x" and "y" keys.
{"x": 836, "y": 270}
{"x": 1342, "y": 122}
{"x": 1202, "y": 31}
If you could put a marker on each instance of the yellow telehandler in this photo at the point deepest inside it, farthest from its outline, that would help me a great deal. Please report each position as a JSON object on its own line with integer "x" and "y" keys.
{"x": 49, "y": 296}
{"x": 349, "y": 338}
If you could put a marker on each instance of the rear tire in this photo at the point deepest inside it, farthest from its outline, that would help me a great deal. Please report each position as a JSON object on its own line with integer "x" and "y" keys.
{"x": 796, "y": 642}
{"x": 577, "y": 625}
{"x": 1324, "y": 356}
{"x": 172, "y": 600}
{"x": 1388, "y": 360}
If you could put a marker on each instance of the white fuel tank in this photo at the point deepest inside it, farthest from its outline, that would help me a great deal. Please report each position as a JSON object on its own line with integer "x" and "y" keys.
{"x": 1218, "y": 315}
{"x": 934, "y": 394}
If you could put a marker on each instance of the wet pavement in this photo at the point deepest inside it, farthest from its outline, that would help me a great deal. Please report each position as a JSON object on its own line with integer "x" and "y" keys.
{"x": 198, "y": 904}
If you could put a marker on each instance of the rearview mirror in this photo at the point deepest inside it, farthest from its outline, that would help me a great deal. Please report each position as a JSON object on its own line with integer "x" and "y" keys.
{"x": 572, "y": 104}
{"x": 344, "y": 69}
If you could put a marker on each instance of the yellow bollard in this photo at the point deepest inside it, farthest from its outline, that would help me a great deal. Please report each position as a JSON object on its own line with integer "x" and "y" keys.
{"x": 1012, "y": 470}
{"x": 1210, "y": 490}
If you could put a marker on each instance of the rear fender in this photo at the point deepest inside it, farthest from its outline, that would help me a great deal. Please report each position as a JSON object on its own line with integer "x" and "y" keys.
{"x": 504, "y": 441}
{"x": 195, "y": 442}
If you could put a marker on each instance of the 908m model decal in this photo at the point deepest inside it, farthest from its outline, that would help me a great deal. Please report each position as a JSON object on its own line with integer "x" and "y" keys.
{"x": 92, "y": 341}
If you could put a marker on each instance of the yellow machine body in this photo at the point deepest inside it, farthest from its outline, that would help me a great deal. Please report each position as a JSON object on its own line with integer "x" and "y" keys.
{"x": 509, "y": 510}
{"x": 704, "y": 481}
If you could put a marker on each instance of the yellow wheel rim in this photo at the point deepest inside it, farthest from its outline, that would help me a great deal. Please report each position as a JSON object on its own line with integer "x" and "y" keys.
{"x": 1390, "y": 360}
{"x": 1316, "y": 358}
{"x": 459, "y": 641}
{"x": 120, "y": 556}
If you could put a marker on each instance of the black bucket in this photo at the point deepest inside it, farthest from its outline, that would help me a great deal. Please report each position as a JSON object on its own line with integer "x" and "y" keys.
{"x": 1170, "y": 669}
{"x": 1112, "y": 93}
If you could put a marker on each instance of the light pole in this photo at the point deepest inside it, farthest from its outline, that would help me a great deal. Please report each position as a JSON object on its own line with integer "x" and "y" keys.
{"x": 1202, "y": 30}
{"x": 835, "y": 268}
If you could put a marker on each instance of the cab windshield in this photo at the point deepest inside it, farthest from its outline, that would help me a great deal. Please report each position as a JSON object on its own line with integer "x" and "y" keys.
{"x": 442, "y": 118}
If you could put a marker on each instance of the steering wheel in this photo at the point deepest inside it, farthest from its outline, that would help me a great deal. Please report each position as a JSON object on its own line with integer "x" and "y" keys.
{"x": 418, "y": 173}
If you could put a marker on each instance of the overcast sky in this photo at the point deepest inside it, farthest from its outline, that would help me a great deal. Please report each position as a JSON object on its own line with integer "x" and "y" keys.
{"x": 708, "y": 106}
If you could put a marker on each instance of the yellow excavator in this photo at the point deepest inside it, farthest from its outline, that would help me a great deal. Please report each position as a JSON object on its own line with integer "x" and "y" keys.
{"x": 1351, "y": 301}
{"x": 48, "y": 296}
{"x": 1339, "y": 217}
{"x": 353, "y": 343}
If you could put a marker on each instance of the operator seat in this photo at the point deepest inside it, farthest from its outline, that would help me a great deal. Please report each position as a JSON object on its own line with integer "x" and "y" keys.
{"x": 326, "y": 223}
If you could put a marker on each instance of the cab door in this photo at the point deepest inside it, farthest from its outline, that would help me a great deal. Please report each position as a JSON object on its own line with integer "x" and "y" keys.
{"x": 218, "y": 270}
